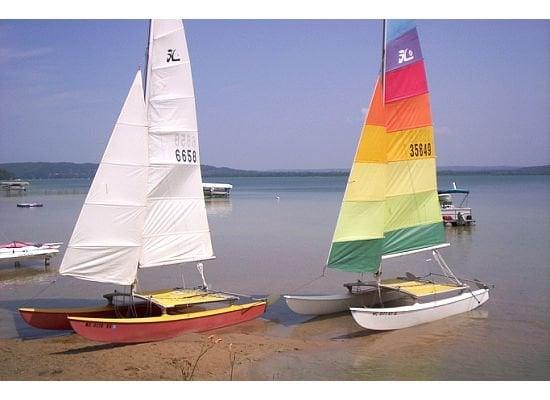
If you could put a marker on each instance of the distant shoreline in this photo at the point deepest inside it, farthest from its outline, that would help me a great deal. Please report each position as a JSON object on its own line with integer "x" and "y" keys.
{"x": 64, "y": 170}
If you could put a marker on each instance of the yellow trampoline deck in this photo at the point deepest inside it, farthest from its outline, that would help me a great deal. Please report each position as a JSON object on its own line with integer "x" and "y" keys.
{"x": 168, "y": 298}
{"x": 418, "y": 288}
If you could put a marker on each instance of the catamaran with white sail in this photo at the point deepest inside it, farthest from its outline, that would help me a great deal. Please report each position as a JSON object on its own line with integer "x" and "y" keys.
{"x": 390, "y": 206}
{"x": 145, "y": 209}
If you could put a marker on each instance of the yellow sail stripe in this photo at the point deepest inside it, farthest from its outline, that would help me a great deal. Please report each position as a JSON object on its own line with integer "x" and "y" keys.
{"x": 372, "y": 145}
{"x": 408, "y": 177}
{"x": 360, "y": 220}
{"x": 375, "y": 182}
{"x": 377, "y": 146}
{"x": 366, "y": 182}
{"x": 411, "y": 209}
{"x": 410, "y": 144}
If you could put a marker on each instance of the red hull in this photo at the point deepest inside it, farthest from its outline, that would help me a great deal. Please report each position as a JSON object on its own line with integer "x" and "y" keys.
{"x": 57, "y": 319}
{"x": 140, "y": 332}
{"x": 44, "y": 319}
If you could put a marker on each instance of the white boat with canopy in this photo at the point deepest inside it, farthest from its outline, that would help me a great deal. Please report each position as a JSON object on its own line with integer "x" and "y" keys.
{"x": 452, "y": 213}
{"x": 145, "y": 209}
{"x": 390, "y": 206}
{"x": 18, "y": 251}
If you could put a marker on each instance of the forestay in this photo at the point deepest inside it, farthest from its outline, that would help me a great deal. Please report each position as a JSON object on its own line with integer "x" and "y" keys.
{"x": 390, "y": 204}
{"x": 176, "y": 227}
{"x": 105, "y": 245}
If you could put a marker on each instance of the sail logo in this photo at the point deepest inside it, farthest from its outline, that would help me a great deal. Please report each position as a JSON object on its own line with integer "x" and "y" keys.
{"x": 405, "y": 55}
{"x": 172, "y": 56}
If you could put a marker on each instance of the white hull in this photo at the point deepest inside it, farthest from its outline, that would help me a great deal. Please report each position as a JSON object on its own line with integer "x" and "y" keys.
{"x": 334, "y": 303}
{"x": 382, "y": 319}
{"x": 20, "y": 253}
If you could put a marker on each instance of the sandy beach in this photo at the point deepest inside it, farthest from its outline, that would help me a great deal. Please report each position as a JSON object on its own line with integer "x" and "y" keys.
{"x": 71, "y": 357}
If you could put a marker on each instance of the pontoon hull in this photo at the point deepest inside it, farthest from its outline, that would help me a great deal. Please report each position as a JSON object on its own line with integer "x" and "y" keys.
{"x": 140, "y": 330}
{"x": 331, "y": 304}
{"x": 382, "y": 319}
{"x": 57, "y": 318}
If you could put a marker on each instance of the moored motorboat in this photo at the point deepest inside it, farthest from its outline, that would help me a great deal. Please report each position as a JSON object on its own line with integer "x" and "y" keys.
{"x": 451, "y": 213}
{"x": 212, "y": 190}
{"x": 18, "y": 251}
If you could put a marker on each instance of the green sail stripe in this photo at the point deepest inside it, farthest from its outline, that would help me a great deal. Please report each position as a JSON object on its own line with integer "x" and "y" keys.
{"x": 365, "y": 255}
{"x": 356, "y": 256}
{"x": 413, "y": 238}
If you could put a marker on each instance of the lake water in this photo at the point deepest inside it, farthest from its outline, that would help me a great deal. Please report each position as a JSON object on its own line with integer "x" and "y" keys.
{"x": 267, "y": 245}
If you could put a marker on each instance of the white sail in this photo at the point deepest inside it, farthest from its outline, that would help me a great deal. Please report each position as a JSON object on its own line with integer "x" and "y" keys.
{"x": 176, "y": 228}
{"x": 106, "y": 242}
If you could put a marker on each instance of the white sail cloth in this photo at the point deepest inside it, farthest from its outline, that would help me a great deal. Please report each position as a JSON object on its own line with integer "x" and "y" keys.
{"x": 176, "y": 227}
{"x": 145, "y": 207}
{"x": 106, "y": 242}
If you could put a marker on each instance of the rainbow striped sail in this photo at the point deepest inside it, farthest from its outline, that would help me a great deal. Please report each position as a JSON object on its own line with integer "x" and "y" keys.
{"x": 390, "y": 204}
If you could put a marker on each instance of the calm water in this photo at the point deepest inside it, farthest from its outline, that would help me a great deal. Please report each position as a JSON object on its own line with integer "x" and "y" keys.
{"x": 265, "y": 245}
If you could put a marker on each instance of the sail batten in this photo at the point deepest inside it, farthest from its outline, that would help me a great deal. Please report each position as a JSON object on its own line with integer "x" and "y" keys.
{"x": 390, "y": 204}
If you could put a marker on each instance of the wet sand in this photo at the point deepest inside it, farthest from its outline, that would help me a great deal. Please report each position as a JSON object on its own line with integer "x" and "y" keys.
{"x": 71, "y": 357}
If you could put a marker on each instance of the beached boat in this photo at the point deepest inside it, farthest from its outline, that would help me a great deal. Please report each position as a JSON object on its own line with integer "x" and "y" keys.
{"x": 390, "y": 206}
{"x": 450, "y": 212}
{"x": 145, "y": 209}
{"x": 212, "y": 190}
{"x": 18, "y": 251}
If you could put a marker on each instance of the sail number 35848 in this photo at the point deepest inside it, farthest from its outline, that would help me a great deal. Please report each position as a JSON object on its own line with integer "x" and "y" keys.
{"x": 420, "y": 149}
{"x": 183, "y": 155}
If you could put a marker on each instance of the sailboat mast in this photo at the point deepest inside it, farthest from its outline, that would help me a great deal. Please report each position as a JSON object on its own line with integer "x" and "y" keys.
{"x": 383, "y": 59}
{"x": 147, "y": 62}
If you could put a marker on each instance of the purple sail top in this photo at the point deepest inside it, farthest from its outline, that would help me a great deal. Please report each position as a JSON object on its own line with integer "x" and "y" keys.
{"x": 403, "y": 50}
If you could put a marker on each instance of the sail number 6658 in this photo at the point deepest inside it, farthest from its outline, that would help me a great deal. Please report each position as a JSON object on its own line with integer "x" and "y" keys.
{"x": 186, "y": 155}
{"x": 420, "y": 149}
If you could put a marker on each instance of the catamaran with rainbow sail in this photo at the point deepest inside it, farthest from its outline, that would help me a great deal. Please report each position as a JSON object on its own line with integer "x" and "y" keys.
{"x": 390, "y": 206}
{"x": 145, "y": 209}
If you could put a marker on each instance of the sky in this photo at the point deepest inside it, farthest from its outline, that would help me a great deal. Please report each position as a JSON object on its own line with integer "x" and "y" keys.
{"x": 277, "y": 94}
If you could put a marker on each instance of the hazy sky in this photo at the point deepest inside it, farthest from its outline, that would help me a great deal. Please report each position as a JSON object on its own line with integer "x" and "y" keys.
{"x": 277, "y": 94}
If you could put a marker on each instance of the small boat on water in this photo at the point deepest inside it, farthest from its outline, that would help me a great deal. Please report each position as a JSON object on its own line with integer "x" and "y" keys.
{"x": 145, "y": 209}
{"x": 16, "y": 184}
{"x": 29, "y": 205}
{"x": 452, "y": 214}
{"x": 212, "y": 190}
{"x": 18, "y": 251}
{"x": 390, "y": 206}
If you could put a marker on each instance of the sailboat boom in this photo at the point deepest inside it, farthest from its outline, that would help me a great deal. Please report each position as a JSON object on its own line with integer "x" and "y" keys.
{"x": 404, "y": 253}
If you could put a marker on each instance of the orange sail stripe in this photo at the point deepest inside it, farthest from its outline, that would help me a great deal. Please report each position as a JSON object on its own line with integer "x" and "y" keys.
{"x": 413, "y": 112}
{"x": 375, "y": 115}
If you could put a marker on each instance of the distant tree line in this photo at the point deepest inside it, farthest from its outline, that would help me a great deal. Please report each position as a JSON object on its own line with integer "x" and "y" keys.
{"x": 57, "y": 170}
{"x": 4, "y": 175}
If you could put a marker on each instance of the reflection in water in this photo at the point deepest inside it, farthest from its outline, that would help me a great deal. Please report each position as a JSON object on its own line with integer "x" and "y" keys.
{"x": 25, "y": 274}
{"x": 218, "y": 207}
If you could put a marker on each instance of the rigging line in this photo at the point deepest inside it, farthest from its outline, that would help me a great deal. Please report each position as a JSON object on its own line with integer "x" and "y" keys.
{"x": 40, "y": 292}
{"x": 182, "y": 277}
{"x": 307, "y": 283}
